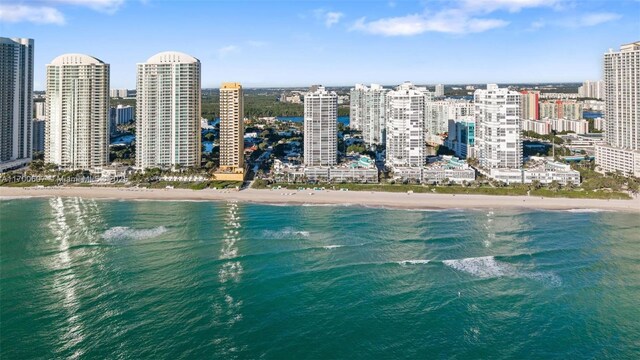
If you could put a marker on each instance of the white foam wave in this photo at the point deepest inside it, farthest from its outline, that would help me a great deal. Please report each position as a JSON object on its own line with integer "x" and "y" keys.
{"x": 7, "y": 197}
{"x": 392, "y": 208}
{"x": 584, "y": 210}
{"x": 332, "y": 246}
{"x": 488, "y": 267}
{"x": 413, "y": 262}
{"x": 285, "y": 233}
{"x": 483, "y": 267}
{"x": 125, "y": 232}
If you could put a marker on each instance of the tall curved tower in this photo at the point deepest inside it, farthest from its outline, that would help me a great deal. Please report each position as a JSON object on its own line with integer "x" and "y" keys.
{"x": 77, "y": 112}
{"x": 168, "y": 112}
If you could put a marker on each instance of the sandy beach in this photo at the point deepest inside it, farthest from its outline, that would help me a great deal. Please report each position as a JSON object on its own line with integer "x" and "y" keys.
{"x": 329, "y": 197}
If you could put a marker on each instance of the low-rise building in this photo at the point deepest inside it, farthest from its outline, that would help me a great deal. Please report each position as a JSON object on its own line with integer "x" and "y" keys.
{"x": 550, "y": 171}
{"x": 359, "y": 169}
{"x": 542, "y": 127}
{"x": 545, "y": 172}
{"x": 615, "y": 159}
{"x": 546, "y": 126}
{"x": 448, "y": 168}
{"x": 439, "y": 169}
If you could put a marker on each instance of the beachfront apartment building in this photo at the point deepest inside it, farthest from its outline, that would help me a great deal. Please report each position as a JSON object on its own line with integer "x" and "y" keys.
{"x": 498, "y": 134}
{"x": 368, "y": 112}
{"x": 406, "y": 114}
{"x": 622, "y": 112}
{"x": 77, "y": 112}
{"x": 231, "y": 132}
{"x": 320, "y": 127}
{"x": 16, "y": 102}
{"x": 168, "y": 104}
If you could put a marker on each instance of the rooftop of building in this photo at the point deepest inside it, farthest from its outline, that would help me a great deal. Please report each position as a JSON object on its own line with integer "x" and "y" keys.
{"x": 75, "y": 59}
{"x": 230, "y": 85}
{"x": 630, "y": 46}
{"x": 169, "y": 57}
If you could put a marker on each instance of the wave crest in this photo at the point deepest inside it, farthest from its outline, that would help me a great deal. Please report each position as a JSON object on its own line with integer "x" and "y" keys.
{"x": 412, "y": 262}
{"x": 488, "y": 267}
{"x": 483, "y": 267}
{"x": 125, "y": 232}
{"x": 284, "y": 233}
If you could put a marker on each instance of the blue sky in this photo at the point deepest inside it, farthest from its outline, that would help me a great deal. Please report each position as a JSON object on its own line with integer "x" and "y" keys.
{"x": 298, "y": 43}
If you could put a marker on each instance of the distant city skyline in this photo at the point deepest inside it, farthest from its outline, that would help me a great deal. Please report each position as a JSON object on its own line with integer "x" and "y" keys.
{"x": 295, "y": 44}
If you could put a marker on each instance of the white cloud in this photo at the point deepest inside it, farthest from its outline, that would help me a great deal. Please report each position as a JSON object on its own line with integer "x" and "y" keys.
{"x": 33, "y": 14}
{"x": 48, "y": 11}
{"x": 513, "y": 6}
{"x": 108, "y": 6}
{"x": 596, "y": 19}
{"x": 329, "y": 18}
{"x": 448, "y": 21}
{"x": 332, "y": 18}
{"x": 585, "y": 20}
{"x": 227, "y": 50}
{"x": 464, "y": 17}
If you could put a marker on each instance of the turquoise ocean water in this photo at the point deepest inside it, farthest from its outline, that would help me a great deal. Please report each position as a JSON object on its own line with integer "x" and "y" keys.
{"x": 93, "y": 279}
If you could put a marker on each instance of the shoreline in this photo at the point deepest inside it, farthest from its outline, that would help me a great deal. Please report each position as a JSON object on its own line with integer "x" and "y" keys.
{"x": 388, "y": 200}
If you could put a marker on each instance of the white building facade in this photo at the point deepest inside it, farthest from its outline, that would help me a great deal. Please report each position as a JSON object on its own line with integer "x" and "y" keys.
{"x": 320, "y": 127}
{"x": 168, "y": 112}
{"x": 439, "y": 113}
{"x": 406, "y": 110}
{"x": 592, "y": 89}
{"x": 622, "y": 112}
{"x": 77, "y": 112}
{"x": 118, "y": 93}
{"x": 16, "y": 102}
{"x": 368, "y": 112}
{"x": 498, "y": 136}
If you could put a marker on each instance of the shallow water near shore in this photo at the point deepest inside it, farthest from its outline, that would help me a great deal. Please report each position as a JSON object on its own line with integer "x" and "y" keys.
{"x": 83, "y": 278}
